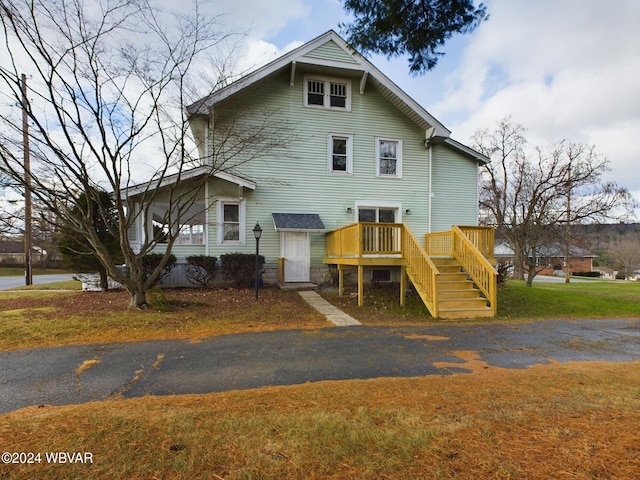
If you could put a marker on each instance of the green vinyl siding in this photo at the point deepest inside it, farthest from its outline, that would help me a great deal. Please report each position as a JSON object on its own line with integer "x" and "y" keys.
{"x": 296, "y": 177}
{"x": 330, "y": 51}
{"x": 455, "y": 190}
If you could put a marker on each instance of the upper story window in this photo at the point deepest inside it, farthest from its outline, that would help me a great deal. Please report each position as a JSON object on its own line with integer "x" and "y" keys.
{"x": 388, "y": 157}
{"x": 340, "y": 154}
{"x": 327, "y": 93}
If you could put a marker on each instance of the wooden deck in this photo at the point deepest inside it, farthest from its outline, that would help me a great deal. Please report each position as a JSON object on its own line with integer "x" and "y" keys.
{"x": 452, "y": 274}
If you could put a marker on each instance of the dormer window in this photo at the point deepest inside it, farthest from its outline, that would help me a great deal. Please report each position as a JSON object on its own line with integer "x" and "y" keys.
{"x": 327, "y": 93}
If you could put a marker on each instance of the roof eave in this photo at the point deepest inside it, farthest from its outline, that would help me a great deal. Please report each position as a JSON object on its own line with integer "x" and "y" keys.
{"x": 387, "y": 88}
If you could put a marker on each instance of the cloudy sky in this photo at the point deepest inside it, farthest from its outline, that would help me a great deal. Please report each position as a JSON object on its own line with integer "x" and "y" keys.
{"x": 563, "y": 69}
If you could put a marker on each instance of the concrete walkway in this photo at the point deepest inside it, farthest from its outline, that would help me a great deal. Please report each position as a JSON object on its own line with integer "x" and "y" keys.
{"x": 333, "y": 314}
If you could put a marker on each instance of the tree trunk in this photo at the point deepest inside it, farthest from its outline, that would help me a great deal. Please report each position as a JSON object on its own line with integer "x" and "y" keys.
{"x": 518, "y": 265}
{"x": 530, "y": 280}
{"x": 104, "y": 280}
{"x": 138, "y": 299}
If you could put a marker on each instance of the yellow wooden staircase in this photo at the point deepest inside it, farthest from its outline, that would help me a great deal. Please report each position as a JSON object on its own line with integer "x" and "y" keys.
{"x": 452, "y": 275}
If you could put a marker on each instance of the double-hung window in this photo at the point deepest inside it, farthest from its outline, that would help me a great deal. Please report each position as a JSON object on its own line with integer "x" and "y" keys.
{"x": 388, "y": 157}
{"x": 334, "y": 94}
{"x": 340, "y": 153}
{"x": 231, "y": 221}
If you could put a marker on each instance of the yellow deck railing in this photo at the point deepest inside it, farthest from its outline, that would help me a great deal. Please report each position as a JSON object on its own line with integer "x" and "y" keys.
{"x": 482, "y": 238}
{"x": 421, "y": 270}
{"x": 366, "y": 240}
{"x": 441, "y": 243}
{"x": 469, "y": 245}
{"x": 476, "y": 265}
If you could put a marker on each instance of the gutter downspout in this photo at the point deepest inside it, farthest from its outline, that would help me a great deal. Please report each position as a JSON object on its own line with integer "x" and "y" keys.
{"x": 430, "y": 133}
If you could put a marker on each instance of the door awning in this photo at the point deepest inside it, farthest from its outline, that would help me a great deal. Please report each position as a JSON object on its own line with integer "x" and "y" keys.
{"x": 298, "y": 222}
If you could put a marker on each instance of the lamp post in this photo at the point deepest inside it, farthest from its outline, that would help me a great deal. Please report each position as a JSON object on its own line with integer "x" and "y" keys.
{"x": 257, "y": 232}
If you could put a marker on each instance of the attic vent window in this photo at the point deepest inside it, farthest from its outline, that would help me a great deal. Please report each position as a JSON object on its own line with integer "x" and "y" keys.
{"x": 315, "y": 95}
{"x": 338, "y": 97}
{"x": 327, "y": 93}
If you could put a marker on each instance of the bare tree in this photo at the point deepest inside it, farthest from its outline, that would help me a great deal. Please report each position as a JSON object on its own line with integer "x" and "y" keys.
{"x": 109, "y": 82}
{"x": 626, "y": 255}
{"x": 534, "y": 196}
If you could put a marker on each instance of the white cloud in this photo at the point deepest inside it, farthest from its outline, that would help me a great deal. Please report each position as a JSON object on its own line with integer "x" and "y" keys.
{"x": 255, "y": 53}
{"x": 564, "y": 70}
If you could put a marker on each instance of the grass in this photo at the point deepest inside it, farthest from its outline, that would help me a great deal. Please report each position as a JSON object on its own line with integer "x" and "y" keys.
{"x": 562, "y": 421}
{"x": 63, "y": 285}
{"x": 516, "y": 302}
{"x": 592, "y": 299}
{"x": 19, "y": 271}
{"x": 30, "y": 319}
{"x": 569, "y": 421}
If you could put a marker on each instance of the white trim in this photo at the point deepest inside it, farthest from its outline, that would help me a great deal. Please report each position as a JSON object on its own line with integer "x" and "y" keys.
{"x": 349, "y": 138}
{"x": 384, "y": 204}
{"x": 387, "y": 88}
{"x": 398, "y": 173}
{"x": 206, "y": 219}
{"x": 185, "y": 175}
{"x": 242, "y": 220}
{"x": 306, "y": 263}
{"x": 327, "y": 81}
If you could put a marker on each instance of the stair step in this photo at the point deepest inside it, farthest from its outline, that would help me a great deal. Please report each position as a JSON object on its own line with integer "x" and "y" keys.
{"x": 462, "y": 303}
{"x": 455, "y": 285}
{"x": 459, "y": 293}
{"x": 453, "y": 277}
{"x": 458, "y": 297}
{"x": 458, "y": 313}
{"x": 449, "y": 268}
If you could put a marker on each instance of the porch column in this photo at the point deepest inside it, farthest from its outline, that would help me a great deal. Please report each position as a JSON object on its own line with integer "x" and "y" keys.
{"x": 340, "y": 280}
{"x": 360, "y": 285}
{"x": 403, "y": 284}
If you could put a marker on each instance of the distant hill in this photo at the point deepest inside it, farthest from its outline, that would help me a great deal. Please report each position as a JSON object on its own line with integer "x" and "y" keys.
{"x": 600, "y": 238}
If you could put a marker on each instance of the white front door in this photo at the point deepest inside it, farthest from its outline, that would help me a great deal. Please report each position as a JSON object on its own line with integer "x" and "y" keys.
{"x": 296, "y": 251}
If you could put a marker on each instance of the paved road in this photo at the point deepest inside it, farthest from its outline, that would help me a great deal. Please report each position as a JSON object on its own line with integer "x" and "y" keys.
{"x": 53, "y": 376}
{"x": 13, "y": 282}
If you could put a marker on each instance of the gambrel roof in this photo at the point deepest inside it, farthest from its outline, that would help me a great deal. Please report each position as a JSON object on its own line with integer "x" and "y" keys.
{"x": 330, "y": 54}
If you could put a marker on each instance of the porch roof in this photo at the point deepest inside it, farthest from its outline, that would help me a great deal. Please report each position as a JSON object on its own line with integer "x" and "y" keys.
{"x": 298, "y": 222}
{"x": 169, "y": 180}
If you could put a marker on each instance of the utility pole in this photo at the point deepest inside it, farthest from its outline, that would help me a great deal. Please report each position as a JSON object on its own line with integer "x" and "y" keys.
{"x": 567, "y": 254}
{"x": 28, "y": 274}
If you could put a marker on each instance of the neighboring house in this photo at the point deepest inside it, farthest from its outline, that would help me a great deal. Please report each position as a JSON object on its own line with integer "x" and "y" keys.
{"x": 635, "y": 276}
{"x": 358, "y": 149}
{"x": 551, "y": 260}
{"x": 11, "y": 251}
{"x": 606, "y": 273}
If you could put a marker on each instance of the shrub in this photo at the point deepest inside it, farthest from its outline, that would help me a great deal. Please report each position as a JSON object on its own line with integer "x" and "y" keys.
{"x": 587, "y": 274}
{"x": 152, "y": 260}
{"x": 240, "y": 268}
{"x": 200, "y": 270}
{"x": 504, "y": 272}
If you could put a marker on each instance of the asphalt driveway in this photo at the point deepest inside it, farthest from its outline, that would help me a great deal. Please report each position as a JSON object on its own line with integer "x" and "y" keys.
{"x": 77, "y": 374}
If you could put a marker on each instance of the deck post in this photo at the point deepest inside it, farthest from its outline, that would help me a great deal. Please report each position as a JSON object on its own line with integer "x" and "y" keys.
{"x": 340, "y": 280}
{"x": 360, "y": 285}
{"x": 403, "y": 285}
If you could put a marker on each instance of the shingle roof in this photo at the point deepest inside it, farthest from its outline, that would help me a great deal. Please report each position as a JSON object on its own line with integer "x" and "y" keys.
{"x": 298, "y": 222}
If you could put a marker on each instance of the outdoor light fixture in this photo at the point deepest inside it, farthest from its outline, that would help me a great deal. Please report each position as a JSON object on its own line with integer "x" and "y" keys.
{"x": 407, "y": 211}
{"x": 257, "y": 232}
{"x": 349, "y": 210}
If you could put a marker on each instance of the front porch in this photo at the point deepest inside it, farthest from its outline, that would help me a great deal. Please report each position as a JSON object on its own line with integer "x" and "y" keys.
{"x": 451, "y": 273}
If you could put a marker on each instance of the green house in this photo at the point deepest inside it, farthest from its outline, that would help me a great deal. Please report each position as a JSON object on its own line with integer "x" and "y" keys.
{"x": 322, "y": 150}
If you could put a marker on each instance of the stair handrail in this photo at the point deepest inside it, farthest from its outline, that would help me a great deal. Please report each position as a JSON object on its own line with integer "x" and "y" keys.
{"x": 423, "y": 270}
{"x": 476, "y": 265}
